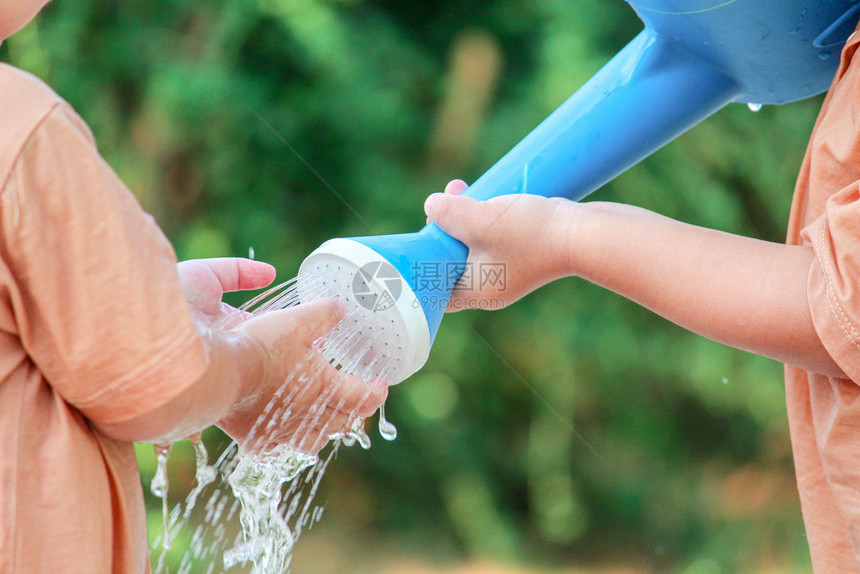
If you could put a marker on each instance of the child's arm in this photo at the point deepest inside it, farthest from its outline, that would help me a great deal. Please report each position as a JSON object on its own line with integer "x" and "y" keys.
{"x": 742, "y": 292}
{"x": 250, "y": 362}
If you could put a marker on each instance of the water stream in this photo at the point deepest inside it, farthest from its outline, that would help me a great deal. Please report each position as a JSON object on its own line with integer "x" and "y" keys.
{"x": 160, "y": 487}
{"x": 270, "y": 489}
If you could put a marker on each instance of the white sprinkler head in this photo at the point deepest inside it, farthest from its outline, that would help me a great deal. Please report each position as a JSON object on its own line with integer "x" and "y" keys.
{"x": 384, "y": 324}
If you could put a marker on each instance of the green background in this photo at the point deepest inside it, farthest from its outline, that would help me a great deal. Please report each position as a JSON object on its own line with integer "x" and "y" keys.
{"x": 571, "y": 432}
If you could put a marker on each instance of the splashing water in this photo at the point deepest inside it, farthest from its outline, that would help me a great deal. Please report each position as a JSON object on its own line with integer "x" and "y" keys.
{"x": 256, "y": 482}
{"x": 272, "y": 489}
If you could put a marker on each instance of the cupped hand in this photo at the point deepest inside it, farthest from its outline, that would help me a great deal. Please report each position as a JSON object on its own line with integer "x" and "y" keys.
{"x": 517, "y": 243}
{"x": 299, "y": 399}
{"x": 292, "y": 395}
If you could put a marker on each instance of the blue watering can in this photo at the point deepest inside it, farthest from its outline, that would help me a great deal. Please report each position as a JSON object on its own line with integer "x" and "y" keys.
{"x": 693, "y": 58}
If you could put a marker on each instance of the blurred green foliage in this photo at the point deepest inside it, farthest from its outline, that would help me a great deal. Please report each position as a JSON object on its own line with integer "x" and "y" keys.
{"x": 572, "y": 429}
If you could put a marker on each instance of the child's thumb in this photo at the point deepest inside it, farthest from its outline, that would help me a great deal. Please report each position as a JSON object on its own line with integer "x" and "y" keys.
{"x": 296, "y": 326}
{"x": 318, "y": 318}
{"x": 454, "y": 214}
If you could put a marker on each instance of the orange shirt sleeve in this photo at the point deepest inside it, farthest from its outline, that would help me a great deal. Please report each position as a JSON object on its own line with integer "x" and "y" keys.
{"x": 96, "y": 295}
{"x": 834, "y": 280}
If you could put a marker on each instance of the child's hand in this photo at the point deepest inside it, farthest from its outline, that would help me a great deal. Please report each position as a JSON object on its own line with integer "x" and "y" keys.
{"x": 319, "y": 401}
{"x": 526, "y": 233}
{"x": 272, "y": 349}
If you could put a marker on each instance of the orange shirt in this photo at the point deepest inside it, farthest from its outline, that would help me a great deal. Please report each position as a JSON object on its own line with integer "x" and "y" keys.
{"x": 93, "y": 328}
{"x": 824, "y": 413}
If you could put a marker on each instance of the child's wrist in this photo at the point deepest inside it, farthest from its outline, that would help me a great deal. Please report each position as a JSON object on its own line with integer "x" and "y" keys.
{"x": 565, "y": 240}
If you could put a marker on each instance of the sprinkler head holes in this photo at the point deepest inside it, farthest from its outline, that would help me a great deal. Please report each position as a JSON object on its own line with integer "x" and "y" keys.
{"x": 385, "y": 332}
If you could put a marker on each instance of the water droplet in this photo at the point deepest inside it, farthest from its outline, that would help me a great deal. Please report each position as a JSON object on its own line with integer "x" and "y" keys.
{"x": 387, "y": 430}
{"x": 357, "y": 434}
{"x": 205, "y": 474}
{"x": 363, "y": 439}
{"x": 754, "y": 107}
{"x": 824, "y": 55}
{"x": 160, "y": 487}
{"x": 251, "y": 253}
{"x": 725, "y": 381}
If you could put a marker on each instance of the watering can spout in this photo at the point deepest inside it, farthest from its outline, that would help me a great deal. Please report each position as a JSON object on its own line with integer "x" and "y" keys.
{"x": 692, "y": 58}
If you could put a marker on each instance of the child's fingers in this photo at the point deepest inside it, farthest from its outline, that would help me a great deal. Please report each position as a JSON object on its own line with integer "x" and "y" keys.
{"x": 375, "y": 399}
{"x": 311, "y": 435}
{"x": 316, "y": 319}
{"x": 360, "y": 397}
{"x": 240, "y": 274}
{"x": 347, "y": 393}
{"x": 456, "y": 187}
{"x": 286, "y": 332}
{"x": 310, "y": 443}
{"x": 456, "y": 215}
